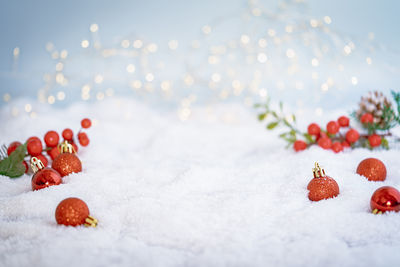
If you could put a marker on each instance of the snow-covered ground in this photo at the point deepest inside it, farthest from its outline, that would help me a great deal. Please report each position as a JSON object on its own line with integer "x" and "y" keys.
{"x": 216, "y": 190}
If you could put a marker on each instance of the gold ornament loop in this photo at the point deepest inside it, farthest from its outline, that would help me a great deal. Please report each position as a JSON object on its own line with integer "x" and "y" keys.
{"x": 318, "y": 171}
{"x": 36, "y": 164}
{"x": 90, "y": 221}
{"x": 66, "y": 147}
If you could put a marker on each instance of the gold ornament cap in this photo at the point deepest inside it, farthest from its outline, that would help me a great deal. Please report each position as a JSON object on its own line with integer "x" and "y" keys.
{"x": 66, "y": 147}
{"x": 90, "y": 222}
{"x": 36, "y": 164}
{"x": 318, "y": 171}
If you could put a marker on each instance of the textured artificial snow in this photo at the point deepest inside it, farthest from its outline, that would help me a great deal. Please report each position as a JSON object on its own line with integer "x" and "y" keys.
{"x": 216, "y": 190}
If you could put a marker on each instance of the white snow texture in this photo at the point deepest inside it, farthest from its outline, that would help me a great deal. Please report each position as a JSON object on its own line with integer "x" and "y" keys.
{"x": 216, "y": 190}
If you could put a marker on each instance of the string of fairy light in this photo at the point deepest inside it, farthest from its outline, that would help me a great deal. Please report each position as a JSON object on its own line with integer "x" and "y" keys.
{"x": 248, "y": 66}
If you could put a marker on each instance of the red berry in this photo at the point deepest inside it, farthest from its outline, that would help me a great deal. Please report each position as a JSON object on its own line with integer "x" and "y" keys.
{"x": 313, "y": 129}
{"x": 83, "y": 139}
{"x": 325, "y": 142}
{"x": 299, "y": 145}
{"x": 67, "y": 134}
{"x": 344, "y": 121}
{"x": 86, "y": 123}
{"x": 43, "y": 159}
{"x": 352, "y": 136}
{"x": 345, "y": 144}
{"x": 332, "y": 127}
{"x": 51, "y": 138}
{"x": 367, "y": 118}
{"x": 26, "y": 166}
{"x": 53, "y": 153}
{"x": 337, "y": 147}
{"x": 34, "y": 147}
{"x": 12, "y": 147}
{"x": 374, "y": 140}
{"x": 33, "y": 138}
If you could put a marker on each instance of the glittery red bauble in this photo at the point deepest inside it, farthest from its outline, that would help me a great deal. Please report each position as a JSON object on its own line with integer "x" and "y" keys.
{"x": 67, "y": 163}
{"x": 322, "y": 188}
{"x": 373, "y": 169}
{"x": 72, "y": 211}
{"x": 384, "y": 199}
{"x": 44, "y": 178}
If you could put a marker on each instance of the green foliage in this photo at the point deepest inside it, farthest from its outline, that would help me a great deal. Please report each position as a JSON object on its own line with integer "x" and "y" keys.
{"x": 12, "y": 166}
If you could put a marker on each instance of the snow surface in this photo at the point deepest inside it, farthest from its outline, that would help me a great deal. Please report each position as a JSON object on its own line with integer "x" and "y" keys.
{"x": 216, "y": 190}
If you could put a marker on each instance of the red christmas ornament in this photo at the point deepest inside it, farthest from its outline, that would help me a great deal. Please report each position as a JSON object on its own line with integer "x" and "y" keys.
{"x": 373, "y": 169}
{"x": 43, "y": 177}
{"x": 384, "y": 199}
{"x": 322, "y": 186}
{"x": 67, "y": 162}
{"x": 74, "y": 211}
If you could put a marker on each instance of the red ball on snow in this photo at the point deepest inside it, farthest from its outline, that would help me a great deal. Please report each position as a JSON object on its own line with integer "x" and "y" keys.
{"x": 51, "y": 138}
{"x": 373, "y": 169}
{"x": 374, "y": 140}
{"x": 337, "y": 147}
{"x": 11, "y": 148}
{"x": 44, "y": 178}
{"x": 299, "y": 145}
{"x": 332, "y": 127}
{"x": 325, "y": 142}
{"x": 352, "y": 136}
{"x": 367, "y": 118}
{"x": 322, "y": 186}
{"x": 385, "y": 199}
{"x": 344, "y": 121}
{"x": 313, "y": 129}
{"x": 72, "y": 212}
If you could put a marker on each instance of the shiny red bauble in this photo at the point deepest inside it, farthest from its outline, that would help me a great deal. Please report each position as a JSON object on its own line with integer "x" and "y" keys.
{"x": 322, "y": 186}
{"x": 72, "y": 211}
{"x": 67, "y": 163}
{"x": 44, "y": 178}
{"x": 373, "y": 169}
{"x": 385, "y": 199}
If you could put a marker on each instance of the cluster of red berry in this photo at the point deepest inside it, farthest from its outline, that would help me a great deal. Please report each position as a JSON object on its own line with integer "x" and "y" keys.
{"x": 335, "y": 139}
{"x": 52, "y": 140}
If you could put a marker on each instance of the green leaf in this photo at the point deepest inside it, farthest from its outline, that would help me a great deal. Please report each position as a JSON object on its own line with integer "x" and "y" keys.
{"x": 262, "y": 116}
{"x": 12, "y": 166}
{"x": 385, "y": 143}
{"x": 272, "y": 125}
{"x": 308, "y": 137}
